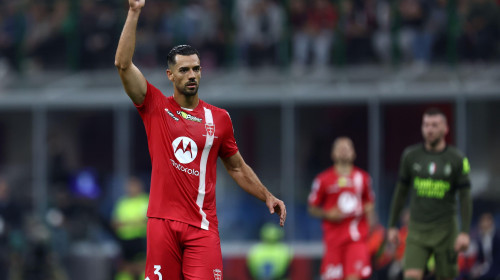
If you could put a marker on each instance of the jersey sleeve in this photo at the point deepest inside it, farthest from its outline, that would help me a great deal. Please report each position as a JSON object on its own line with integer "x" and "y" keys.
{"x": 401, "y": 192}
{"x": 463, "y": 180}
{"x": 463, "y": 185}
{"x": 228, "y": 145}
{"x": 153, "y": 96}
{"x": 317, "y": 194}
{"x": 404, "y": 169}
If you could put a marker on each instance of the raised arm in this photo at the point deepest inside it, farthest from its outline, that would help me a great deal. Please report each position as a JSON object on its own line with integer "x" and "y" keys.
{"x": 248, "y": 180}
{"x": 133, "y": 81}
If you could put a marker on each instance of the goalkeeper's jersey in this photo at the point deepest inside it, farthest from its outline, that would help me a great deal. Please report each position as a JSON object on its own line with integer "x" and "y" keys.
{"x": 434, "y": 179}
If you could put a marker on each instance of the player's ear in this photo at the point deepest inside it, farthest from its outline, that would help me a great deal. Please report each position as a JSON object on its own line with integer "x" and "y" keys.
{"x": 170, "y": 75}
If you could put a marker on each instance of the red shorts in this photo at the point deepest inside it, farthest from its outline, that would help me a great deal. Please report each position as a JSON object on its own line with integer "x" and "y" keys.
{"x": 342, "y": 261}
{"x": 178, "y": 251}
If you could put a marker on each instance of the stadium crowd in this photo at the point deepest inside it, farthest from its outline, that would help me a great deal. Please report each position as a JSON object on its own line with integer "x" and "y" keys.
{"x": 73, "y": 34}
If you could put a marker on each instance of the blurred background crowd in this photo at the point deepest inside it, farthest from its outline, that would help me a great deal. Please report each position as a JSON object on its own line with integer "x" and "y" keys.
{"x": 73, "y": 151}
{"x": 73, "y": 34}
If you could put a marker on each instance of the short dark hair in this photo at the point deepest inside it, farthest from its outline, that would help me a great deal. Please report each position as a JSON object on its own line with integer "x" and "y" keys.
{"x": 434, "y": 111}
{"x": 180, "y": 50}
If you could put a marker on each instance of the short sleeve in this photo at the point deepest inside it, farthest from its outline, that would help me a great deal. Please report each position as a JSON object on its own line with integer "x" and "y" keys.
{"x": 317, "y": 195}
{"x": 228, "y": 145}
{"x": 152, "y": 99}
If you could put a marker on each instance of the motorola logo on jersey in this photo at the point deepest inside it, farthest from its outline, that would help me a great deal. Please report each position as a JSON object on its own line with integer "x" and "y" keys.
{"x": 347, "y": 202}
{"x": 185, "y": 149}
{"x": 184, "y": 169}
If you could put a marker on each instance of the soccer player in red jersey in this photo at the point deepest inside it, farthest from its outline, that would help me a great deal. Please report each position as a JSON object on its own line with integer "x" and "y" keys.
{"x": 185, "y": 137}
{"x": 343, "y": 198}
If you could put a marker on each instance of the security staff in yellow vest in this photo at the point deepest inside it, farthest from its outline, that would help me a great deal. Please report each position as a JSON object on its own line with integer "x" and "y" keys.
{"x": 129, "y": 222}
{"x": 270, "y": 259}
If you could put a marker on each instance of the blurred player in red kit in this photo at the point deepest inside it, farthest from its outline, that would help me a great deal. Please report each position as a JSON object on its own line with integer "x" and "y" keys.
{"x": 343, "y": 198}
{"x": 185, "y": 137}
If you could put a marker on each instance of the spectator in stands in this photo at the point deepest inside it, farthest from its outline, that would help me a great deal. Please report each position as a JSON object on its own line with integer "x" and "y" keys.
{"x": 213, "y": 39}
{"x": 260, "y": 25}
{"x": 129, "y": 222}
{"x": 202, "y": 25}
{"x": 167, "y": 29}
{"x": 316, "y": 36}
{"x": 270, "y": 259}
{"x": 488, "y": 258}
{"x": 420, "y": 23}
{"x": 381, "y": 39}
{"x": 480, "y": 33}
{"x": 415, "y": 40}
{"x": 437, "y": 27}
{"x": 45, "y": 45}
{"x": 97, "y": 23}
{"x": 359, "y": 22}
{"x": 11, "y": 34}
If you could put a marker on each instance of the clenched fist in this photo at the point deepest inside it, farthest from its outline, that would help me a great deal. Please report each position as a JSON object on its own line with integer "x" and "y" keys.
{"x": 136, "y": 4}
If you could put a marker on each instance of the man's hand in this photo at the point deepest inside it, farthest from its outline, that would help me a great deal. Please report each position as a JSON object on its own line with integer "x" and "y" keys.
{"x": 334, "y": 215}
{"x": 136, "y": 4}
{"x": 393, "y": 235}
{"x": 462, "y": 242}
{"x": 277, "y": 206}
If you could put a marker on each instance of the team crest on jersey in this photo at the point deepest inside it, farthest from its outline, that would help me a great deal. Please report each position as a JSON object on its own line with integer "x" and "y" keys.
{"x": 342, "y": 182}
{"x": 217, "y": 274}
{"x": 447, "y": 169}
{"x": 417, "y": 167}
{"x": 210, "y": 127}
{"x": 432, "y": 168}
{"x": 333, "y": 272}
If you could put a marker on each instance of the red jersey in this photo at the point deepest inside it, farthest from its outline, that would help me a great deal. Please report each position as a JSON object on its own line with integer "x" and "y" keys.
{"x": 348, "y": 194}
{"x": 184, "y": 145}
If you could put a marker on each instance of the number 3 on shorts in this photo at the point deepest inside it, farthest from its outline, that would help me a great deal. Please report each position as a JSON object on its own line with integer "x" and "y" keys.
{"x": 157, "y": 272}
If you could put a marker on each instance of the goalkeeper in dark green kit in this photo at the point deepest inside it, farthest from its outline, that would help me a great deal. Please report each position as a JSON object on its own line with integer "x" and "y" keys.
{"x": 433, "y": 172}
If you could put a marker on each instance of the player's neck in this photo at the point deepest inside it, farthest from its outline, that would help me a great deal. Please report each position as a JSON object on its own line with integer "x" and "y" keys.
{"x": 343, "y": 168}
{"x": 439, "y": 147}
{"x": 188, "y": 102}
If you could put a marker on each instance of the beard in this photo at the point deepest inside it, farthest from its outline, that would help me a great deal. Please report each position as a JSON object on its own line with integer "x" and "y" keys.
{"x": 435, "y": 142}
{"x": 188, "y": 92}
